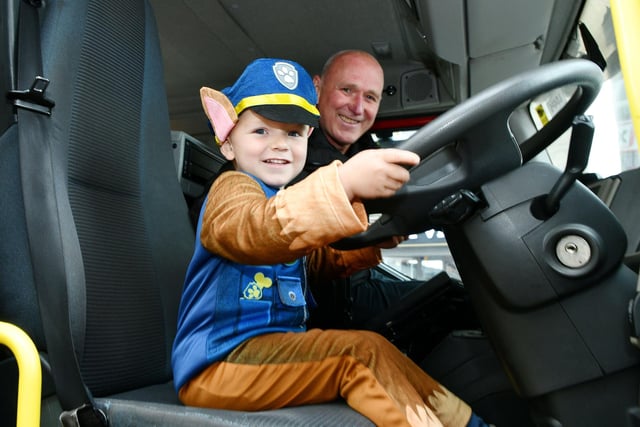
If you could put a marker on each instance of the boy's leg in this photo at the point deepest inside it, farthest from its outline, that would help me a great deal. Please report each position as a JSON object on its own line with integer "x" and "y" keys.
{"x": 278, "y": 370}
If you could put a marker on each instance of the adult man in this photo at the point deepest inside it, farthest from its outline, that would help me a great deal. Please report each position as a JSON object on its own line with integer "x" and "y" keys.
{"x": 349, "y": 95}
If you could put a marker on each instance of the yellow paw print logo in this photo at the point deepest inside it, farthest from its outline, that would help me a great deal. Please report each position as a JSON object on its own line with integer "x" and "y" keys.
{"x": 254, "y": 289}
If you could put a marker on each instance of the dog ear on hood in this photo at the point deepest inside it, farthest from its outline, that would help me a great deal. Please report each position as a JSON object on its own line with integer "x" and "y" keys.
{"x": 220, "y": 112}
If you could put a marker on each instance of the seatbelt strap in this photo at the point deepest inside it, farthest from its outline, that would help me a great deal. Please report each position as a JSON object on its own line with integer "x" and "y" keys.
{"x": 42, "y": 219}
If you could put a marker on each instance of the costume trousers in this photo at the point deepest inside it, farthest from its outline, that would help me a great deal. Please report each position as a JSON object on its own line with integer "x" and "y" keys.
{"x": 288, "y": 369}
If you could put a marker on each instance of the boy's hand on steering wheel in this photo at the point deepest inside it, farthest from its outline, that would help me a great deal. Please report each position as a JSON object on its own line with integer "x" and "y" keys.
{"x": 376, "y": 173}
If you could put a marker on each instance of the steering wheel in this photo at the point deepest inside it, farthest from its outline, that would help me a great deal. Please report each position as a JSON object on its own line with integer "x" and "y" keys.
{"x": 472, "y": 144}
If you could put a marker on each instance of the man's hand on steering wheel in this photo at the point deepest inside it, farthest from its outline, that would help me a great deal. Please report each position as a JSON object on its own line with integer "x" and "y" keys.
{"x": 391, "y": 242}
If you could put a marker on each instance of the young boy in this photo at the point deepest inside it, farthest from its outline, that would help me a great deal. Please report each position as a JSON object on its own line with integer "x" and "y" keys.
{"x": 241, "y": 341}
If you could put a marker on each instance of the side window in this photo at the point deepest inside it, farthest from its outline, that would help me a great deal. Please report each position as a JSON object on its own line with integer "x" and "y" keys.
{"x": 614, "y": 148}
{"x": 615, "y": 145}
{"x": 422, "y": 256}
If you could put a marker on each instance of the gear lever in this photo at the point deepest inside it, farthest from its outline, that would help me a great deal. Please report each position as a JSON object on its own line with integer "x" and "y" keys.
{"x": 577, "y": 159}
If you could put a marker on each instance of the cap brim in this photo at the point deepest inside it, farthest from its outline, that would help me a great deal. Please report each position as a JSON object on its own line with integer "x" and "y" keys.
{"x": 286, "y": 114}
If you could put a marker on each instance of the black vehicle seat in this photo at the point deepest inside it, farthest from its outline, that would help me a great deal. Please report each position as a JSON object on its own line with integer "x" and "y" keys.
{"x": 625, "y": 206}
{"x": 125, "y": 237}
{"x": 620, "y": 194}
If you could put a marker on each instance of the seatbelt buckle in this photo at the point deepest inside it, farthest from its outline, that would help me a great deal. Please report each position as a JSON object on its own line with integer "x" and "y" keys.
{"x": 84, "y": 416}
{"x": 33, "y": 99}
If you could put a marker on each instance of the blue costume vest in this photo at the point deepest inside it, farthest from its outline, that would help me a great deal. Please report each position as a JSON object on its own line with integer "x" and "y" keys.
{"x": 225, "y": 303}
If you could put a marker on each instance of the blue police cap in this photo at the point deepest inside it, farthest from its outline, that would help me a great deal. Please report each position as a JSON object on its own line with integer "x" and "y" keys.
{"x": 278, "y": 89}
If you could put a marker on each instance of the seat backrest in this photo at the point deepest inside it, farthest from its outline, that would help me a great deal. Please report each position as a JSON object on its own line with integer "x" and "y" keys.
{"x": 111, "y": 131}
{"x": 619, "y": 193}
{"x": 126, "y": 237}
{"x": 625, "y": 206}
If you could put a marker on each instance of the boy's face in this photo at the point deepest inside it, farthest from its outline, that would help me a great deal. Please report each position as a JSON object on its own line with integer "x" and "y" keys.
{"x": 272, "y": 151}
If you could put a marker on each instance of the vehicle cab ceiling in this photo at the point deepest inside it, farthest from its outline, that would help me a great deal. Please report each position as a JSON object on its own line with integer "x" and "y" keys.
{"x": 434, "y": 53}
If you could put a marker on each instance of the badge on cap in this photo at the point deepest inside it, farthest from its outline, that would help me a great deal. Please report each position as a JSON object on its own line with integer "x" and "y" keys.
{"x": 286, "y": 74}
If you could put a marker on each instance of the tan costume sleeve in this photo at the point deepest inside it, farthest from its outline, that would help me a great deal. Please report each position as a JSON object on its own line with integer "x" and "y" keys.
{"x": 242, "y": 225}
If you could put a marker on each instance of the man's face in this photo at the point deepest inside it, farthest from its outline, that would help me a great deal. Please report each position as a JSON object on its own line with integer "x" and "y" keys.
{"x": 349, "y": 96}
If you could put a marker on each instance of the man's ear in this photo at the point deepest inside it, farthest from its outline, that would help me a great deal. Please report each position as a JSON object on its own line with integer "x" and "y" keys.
{"x": 317, "y": 83}
{"x": 220, "y": 112}
{"x": 227, "y": 150}
{"x": 311, "y": 128}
